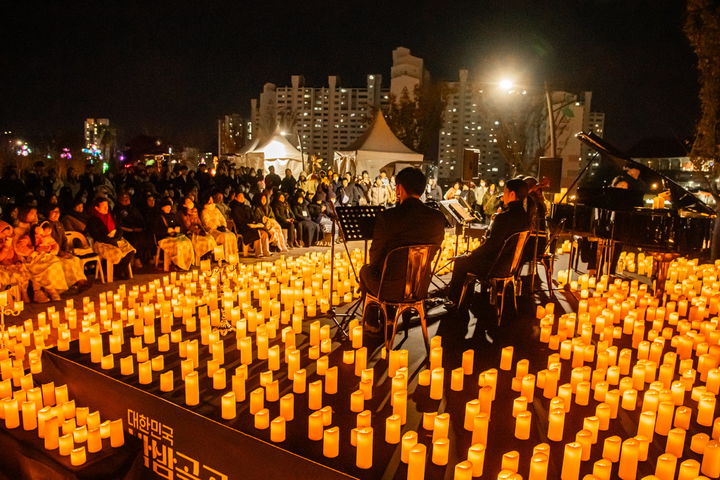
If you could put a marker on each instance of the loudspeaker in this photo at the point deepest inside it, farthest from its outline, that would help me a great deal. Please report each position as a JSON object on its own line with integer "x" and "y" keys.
{"x": 471, "y": 157}
{"x": 551, "y": 168}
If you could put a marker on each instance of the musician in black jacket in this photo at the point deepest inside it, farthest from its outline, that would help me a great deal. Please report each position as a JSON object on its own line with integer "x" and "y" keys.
{"x": 410, "y": 223}
{"x": 512, "y": 219}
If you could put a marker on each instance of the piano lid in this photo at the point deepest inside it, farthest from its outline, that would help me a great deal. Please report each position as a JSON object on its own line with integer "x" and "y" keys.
{"x": 681, "y": 198}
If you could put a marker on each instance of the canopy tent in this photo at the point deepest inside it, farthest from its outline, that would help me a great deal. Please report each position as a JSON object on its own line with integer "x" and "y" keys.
{"x": 276, "y": 151}
{"x": 378, "y": 149}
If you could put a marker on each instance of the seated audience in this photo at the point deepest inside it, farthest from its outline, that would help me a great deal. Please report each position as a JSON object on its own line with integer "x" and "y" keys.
{"x": 108, "y": 241}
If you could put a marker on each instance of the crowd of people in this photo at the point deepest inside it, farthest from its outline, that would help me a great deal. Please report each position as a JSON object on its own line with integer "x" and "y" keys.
{"x": 132, "y": 216}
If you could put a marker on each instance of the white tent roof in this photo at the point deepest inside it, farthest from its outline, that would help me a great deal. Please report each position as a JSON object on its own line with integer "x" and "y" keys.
{"x": 276, "y": 151}
{"x": 377, "y": 149}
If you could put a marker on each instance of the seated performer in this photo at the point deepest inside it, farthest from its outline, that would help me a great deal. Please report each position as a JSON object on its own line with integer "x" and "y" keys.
{"x": 512, "y": 219}
{"x": 410, "y": 223}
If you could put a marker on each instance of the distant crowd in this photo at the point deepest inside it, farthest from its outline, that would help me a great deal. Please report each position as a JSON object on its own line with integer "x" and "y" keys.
{"x": 134, "y": 216}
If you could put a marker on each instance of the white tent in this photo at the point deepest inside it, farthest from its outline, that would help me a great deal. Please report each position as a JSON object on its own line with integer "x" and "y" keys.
{"x": 378, "y": 149}
{"x": 275, "y": 151}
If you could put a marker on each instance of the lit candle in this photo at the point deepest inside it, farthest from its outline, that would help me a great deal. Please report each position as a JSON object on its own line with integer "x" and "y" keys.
{"x": 192, "y": 389}
{"x": 262, "y": 419}
{"x": 440, "y": 451}
{"x": 11, "y": 413}
{"x": 441, "y": 426}
{"x": 437, "y": 380}
{"x": 166, "y": 381}
{"x": 556, "y": 423}
{"x": 436, "y": 355}
{"x": 510, "y": 461}
{"x": 689, "y": 469}
{"x": 117, "y": 433}
{"x": 457, "y": 376}
{"x": 315, "y": 426}
{"x": 287, "y": 407}
{"x": 331, "y": 380}
{"x": 315, "y": 390}
{"x": 480, "y": 428}
{"x": 363, "y": 458}
{"x": 144, "y": 373}
{"x": 675, "y": 442}
{"x": 476, "y": 456}
{"x": 393, "y": 424}
{"x": 277, "y": 430}
{"x": 229, "y": 406}
{"x": 299, "y": 382}
{"x": 522, "y": 425}
{"x": 78, "y": 456}
{"x": 416, "y": 462}
{"x": 29, "y": 415}
{"x": 257, "y": 400}
{"x": 331, "y": 442}
{"x": 357, "y": 401}
{"x": 94, "y": 440}
{"x": 664, "y": 418}
{"x": 409, "y": 440}
{"x": 629, "y": 453}
{"x": 538, "y": 467}
{"x": 468, "y": 359}
{"x": 400, "y": 405}
{"x": 710, "y": 466}
{"x": 506, "y": 357}
{"x": 665, "y": 466}
{"x": 706, "y": 409}
{"x": 463, "y": 471}
{"x": 571, "y": 461}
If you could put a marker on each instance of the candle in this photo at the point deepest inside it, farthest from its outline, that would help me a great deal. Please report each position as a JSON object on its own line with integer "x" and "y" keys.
{"x": 192, "y": 389}
{"x": 665, "y": 466}
{"x": 393, "y": 425}
{"x": 257, "y": 400}
{"x": 457, "y": 376}
{"x": 710, "y": 466}
{"x": 262, "y": 419}
{"x": 510, "y": 461}
{"x": 584, "y": 438}
{"x": 476, "y": 456}
{"x": 400, "y": 405}
{"x": 94, "y": 440}
{"x": 315, "y": 426}
{"x": 538, "y": 467}
{"x": 287, "y": 407}
{"x": 228, "y": 406}
{"x": 706, "y": 409}
{"x": 299, "y": 381}
{"x": 277, "y": 430}
{"x": 472, "y": 409}
{"x": 357, "y": 401}
{"x": 556, "y": 422}
{"x": 437, "y": 380}
{"x": 409, "y": 440}
{"x": 592, "y": 425}
{"x": 468, "y": 359}
{"x": 331, "y": 442}
{"x": 629, "y": 454}
{"x": 571, "y": 461}
{"x": 440, "y": 451}
{"x": 117, "y": 433}
{"x": 11, "y": 413}
{"x": 463, "y": 471}
{"x": 315, "y": 390}
{"x": 506, "y": 356}
{"x": 698, "y": 442}
{"x": 664, "y": 418}
{"x": 364, "y": 450}
{"x": 416, "y": 462}
{"x": 675, "y": 442}
{"x": 29, "y": 415}
{"x": 78, "y": 456}
{"x": 522, "y": 425}
{"x": 480, "y": 428}
{"x": 441, "y": 426}
{"x": 144, "y": 373}
{"x": 436, "y": 355}
{"x": 331, "y": 380}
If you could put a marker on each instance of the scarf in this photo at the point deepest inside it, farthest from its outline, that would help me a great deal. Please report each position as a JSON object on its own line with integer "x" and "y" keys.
{"x": 106, "y": 220}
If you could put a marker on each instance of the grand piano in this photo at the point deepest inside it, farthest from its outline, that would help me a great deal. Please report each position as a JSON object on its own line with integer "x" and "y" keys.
{"x": 611, "y": 216}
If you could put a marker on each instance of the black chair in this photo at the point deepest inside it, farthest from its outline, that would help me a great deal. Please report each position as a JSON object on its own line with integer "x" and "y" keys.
{"x": 504, "y": 271}
{"x": 404, "y": 284}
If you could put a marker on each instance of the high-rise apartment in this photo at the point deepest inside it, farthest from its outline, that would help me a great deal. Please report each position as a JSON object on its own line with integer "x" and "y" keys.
{"x": 233, "y": 133}
{"x": 322, "y": 119}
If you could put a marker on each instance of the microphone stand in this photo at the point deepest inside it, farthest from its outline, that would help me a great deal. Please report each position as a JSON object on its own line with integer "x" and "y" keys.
{"x": 332, "y": 313}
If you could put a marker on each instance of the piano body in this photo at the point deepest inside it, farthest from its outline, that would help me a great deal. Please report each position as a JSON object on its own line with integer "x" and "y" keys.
{"x": 611, "y": 215}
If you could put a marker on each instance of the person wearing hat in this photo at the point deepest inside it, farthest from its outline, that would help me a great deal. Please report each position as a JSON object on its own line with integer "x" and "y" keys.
{"x": 177, "y": 247}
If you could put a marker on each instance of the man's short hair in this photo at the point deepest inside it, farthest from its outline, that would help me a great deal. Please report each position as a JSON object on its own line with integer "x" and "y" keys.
{"x": 412, "y": 180}
{"x": 518, "y": 186}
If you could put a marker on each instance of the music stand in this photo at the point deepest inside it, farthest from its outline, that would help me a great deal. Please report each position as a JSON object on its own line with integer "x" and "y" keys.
{"x": 356, "y": 223}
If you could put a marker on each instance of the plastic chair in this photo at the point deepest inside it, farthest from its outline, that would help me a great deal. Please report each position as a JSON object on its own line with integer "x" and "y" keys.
{"x": 85, "y": 252}
{"x": 109, "y": 266}
{"x": 503, "y": 271}
{"x": 415, "y": 262}
{"x": 158, "y": 251}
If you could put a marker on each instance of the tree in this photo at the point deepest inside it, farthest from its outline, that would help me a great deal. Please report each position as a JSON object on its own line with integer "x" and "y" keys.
{"x": 519, "y": 122}
{"x": 416, "y": 121}
{"x": 702, "y": 29}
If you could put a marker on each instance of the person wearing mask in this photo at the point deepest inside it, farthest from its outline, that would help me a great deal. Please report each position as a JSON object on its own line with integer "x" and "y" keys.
{"x": 286, "y": 219}
{"x": 310, "y": 232}
{"x": 191, "y": 227}
{"x": 175, "y": 245}
{"x": 109, "y": 243}
{"x": 433, "y": 192}
{"x": 216, "y": 224}
{"x": 511, "y": 220}
{"x": 75, "y": 220}
{"x": 453, "y": 192}
{"x": 320, "y": 210}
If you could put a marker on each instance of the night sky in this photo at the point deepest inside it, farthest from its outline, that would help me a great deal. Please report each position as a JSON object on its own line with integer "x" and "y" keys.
{"x": 172, "y": 68}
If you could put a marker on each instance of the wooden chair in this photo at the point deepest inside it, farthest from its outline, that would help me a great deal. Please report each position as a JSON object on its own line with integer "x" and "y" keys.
{"x": 85, "y": 252}
{"x": 504, "y": 272}
{"x": 414, "y": 263}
